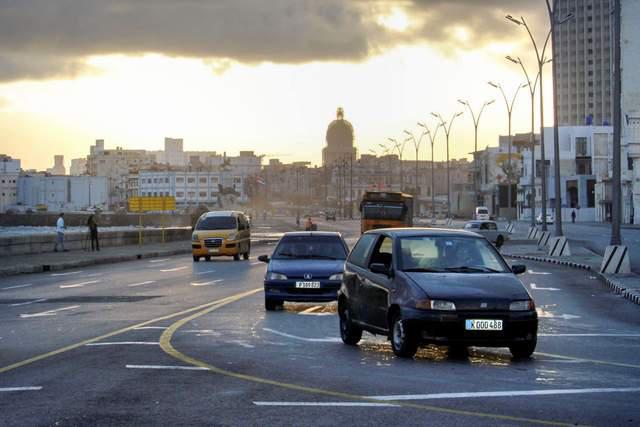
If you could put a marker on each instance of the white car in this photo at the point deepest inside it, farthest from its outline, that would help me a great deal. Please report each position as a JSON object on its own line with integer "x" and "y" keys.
{"x": 549, "y": 219}
{"x": 481, "y": 213}
{"x": 489, "y": 230}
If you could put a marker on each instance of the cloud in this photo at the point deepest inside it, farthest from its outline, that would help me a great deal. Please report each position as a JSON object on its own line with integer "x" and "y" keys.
{"x": 52, "y": 38}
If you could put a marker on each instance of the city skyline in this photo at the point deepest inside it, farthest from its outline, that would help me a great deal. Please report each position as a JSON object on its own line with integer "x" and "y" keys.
{"x": 383, "y": 62}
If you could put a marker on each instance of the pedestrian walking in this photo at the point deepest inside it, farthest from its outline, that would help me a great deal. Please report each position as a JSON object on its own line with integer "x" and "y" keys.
{"x": 573, "y": 216}
{"x": 60, "y": 233}
{"x": 93, "y": 231}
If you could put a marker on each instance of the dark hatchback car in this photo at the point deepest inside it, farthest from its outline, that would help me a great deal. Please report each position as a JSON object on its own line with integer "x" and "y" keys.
{"x": 420, "y": 286}
{"x": 304, "y": 267}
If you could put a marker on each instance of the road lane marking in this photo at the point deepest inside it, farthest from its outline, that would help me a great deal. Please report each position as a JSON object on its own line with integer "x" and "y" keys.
{"x": 296, "y": 337}
{"x": 48, "y": 312}
{"x": 148, "y": 282}
{"x": 28, "y": 302}
{"x": 122, "y": 343}
{"x": 257, "y": 263}
{"x": 589, "y": 335}
{"x": 168, "y": 270}
{"x": 340, "y": 404}
{"x": 595, "y": 361}
{"x": 212, "y": 282}
{"x": 311, "y": 309}
{"x": 66, "y": 274}
{"x": 216, "y": 303}
{"x": 168, "y": 348}
{"x": 17, "y": 286}
{"x": 544, "y": 273}
{"x": 150, "y": 327}
{"x": 79, "y": 285}
{"x": 534, "y": 286}
{"x": 205, "y": 272}
{"x": 159, "y": 260}
{"x": 186, "y": 368}
{"x": 513, "y": 393}
{"x": 33, "y": 388}
{"x": 94, "y": 275}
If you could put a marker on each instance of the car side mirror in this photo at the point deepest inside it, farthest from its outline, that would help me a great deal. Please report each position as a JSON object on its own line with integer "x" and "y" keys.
{"x": 518, "y": 268}
{"x": 263, "y": 258}
{"x": 380, "y": 268}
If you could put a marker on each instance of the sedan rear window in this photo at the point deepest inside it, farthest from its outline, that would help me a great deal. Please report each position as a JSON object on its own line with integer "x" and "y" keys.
{"x": 318, "y": 247}
{"x": 449, "y": 254}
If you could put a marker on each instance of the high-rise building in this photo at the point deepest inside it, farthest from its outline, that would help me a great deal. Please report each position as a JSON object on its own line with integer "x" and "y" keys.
{"x": 584, "y": 63}
{"x": 9, "y": 172}
{"x": 339, "y": 139}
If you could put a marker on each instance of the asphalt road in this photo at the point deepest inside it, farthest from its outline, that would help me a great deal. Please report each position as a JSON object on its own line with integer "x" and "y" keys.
{"x": 168, "y": 341}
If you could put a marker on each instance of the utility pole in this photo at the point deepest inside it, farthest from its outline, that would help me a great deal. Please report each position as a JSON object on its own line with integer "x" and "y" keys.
{"x": 616, "y": 185}
{"x": 351, "y": 186}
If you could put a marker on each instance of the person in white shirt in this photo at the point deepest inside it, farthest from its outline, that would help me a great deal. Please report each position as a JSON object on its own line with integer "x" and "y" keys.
{"x": 60, "y": 233}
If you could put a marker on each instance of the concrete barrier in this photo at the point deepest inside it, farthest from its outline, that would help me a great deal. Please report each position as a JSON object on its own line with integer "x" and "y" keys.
{"x": 510, "y": 227}
{"x": 39, "y": 243}
{"x": 543, "y": 241}
{"x": 559, "y": 246}
{"x": 616, "y": 260}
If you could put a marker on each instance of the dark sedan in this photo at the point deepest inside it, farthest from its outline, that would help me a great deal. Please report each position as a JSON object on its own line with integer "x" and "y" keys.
{"x": 419, "y": 286}
{"x": 306, "y": 267}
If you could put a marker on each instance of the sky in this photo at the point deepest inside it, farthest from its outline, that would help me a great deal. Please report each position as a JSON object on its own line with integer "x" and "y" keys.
{"x": 258, "y": 75}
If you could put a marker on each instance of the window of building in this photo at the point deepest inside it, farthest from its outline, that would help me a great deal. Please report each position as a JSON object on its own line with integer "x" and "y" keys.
{"x": 583, "y": 166}
{"x": 213, "y": 194}
{"x": 191, "y": 194}
{"x": 166, "y": 180}
{"x": 191, "y": 180}
{"x": 629, "y": 163}
{"x": 203, "y": 194}
{"x": 539, "y": 167}
{"x": 179, "y": 180}
{"x": 203, "y": 180}
{"x": 214, "y": 179}
{"x": 180, "y": 194}
{"x": 591, "y": 194}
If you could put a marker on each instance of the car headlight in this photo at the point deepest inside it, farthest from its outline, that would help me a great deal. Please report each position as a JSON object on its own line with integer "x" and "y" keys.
{"x": 336, "y": 276}
{"x": 232, "y": 236}
{"x": 276, "y": 276}
{"x": 194, "y": 238}
{"x": 435, "y": 304}
{"x": 522, "y": 305}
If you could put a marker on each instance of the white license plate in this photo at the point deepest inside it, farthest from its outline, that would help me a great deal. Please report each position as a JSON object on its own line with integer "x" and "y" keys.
{"x": 307, "y": 285}
{"x": 483, "y": 325}
{"x": 214, "y": 251}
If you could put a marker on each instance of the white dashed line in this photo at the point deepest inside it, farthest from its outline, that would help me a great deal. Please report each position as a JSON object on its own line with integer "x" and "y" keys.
{"x": 17, "y": 286}
{"x": 589, "y": 335}
{"x": 206, "y": 283}
{"x": 168, "y": 270}
{"x": 28, "y": 302}
{"x": 148, "y": 282}
{"x": 206, "y": 272}
{"x": 295, "y": 337}
{"x": 159, "y": 260}
{"x": 35, "y": 388}
{"x": 48, "y": 312}
{"x": 257, "y": 263}
{"x": 79, "y": 285}
{"x": 341, "y": 404}
{"x": 96, "y": 344}
{"x": 185, "y": 368}
{"x": 66, "y": 274}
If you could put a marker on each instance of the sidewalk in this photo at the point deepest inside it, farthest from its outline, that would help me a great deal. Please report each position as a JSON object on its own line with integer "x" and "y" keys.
{"x": 626, "y": 285}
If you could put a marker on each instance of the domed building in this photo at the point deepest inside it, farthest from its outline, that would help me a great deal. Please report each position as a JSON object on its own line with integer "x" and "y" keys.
{"x": 339, "y": 141}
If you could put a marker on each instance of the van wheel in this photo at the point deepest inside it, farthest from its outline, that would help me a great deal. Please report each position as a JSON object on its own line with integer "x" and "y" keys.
{"x": 207, "y": 258}
{"x": 196, "y": 258}
{"x": 236, "y": 257}
{"x": 403, "y": 338}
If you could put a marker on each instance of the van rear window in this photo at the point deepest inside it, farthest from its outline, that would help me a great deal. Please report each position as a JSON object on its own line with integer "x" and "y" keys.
{"x": 483, "y": 211}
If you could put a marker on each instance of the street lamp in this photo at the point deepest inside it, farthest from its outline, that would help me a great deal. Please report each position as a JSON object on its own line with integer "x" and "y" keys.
{"x": 432, "y": 138}
{"x": 476, "y": 122}
{"x": 447, "y": 132}
{"x": 400, "y": 149}
{"x": 509, "y": 106}
{"x": 416, "y": 145}
{"x": 386, "y": 152}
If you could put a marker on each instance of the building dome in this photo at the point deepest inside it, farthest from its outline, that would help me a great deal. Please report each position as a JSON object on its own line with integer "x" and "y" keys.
{"x": 340, "y": 138}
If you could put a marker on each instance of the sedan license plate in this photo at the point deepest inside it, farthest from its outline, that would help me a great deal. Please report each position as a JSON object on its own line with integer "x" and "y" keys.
{"x": 307, "y": 285}
{"x": 483, "y": 325}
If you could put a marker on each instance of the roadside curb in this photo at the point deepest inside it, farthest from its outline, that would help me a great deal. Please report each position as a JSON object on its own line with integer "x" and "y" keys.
{"x": 632, "y": 295}
{"x": 17, "y": 269}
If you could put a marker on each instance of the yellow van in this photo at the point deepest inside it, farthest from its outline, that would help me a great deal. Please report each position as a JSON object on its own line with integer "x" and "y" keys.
{"x": 221, "y": 233}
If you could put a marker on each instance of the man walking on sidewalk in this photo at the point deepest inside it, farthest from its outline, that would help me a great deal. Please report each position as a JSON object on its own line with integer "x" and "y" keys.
{"x": 60, "y": 233}
{"x": 93, "y": 231}
{"x": 573, "y": 216}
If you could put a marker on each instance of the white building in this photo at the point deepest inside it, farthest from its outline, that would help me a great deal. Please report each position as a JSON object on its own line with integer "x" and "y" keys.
{"x": 63, "y": 193}
{"x": 58, "y": 166}
{"x": 630, "y": 63}
{"x": 9, "y": 172}
{"x": 78, "y": 167}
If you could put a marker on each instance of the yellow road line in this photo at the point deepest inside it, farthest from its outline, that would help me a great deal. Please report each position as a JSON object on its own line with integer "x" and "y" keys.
{"x": 126, "y": 329}
{"x": 165, "y": 344}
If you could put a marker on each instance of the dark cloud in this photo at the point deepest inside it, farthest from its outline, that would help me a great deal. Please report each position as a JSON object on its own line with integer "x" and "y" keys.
{"x": 51, "y": 38}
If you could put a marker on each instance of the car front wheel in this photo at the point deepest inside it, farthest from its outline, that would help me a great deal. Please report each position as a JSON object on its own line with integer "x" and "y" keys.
{"x": 523, "y": 350}
{"x": 271, "y": 304}
{"x": 350, "y": 333}
{"x": 403, "y": 338}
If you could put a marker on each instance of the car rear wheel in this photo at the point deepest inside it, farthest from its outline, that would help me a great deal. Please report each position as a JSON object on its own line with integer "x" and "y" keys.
{"x": 196, "y": 258}
{"x": 523, "y": 350}
{"x": 403, "y": 338}
{"x": 350, "y": 333}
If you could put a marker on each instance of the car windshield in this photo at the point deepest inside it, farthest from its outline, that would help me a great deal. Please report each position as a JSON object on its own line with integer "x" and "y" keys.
{"x": 317, "y": 247}
{"x": 217, "y": 223}
{"x": 449, "y": 254}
